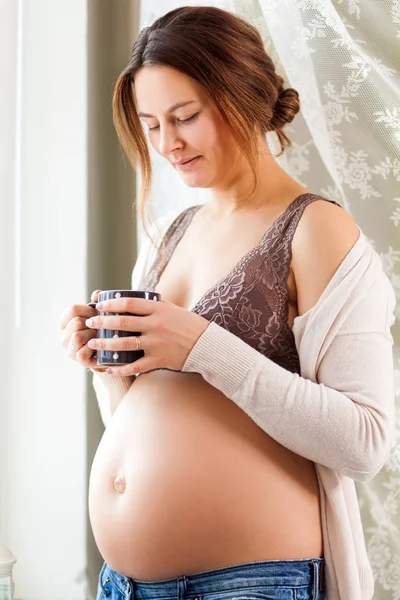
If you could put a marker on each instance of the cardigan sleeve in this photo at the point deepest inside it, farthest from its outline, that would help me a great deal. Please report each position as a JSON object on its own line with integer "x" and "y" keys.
{"x": 345, "y": 419}
{"x": 110, "y": 389}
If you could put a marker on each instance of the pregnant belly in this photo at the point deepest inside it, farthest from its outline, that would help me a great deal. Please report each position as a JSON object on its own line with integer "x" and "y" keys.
{"x": 184, "y": 481}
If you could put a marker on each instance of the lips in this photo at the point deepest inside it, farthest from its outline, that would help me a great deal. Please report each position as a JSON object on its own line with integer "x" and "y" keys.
{"x": 186, "y": 161}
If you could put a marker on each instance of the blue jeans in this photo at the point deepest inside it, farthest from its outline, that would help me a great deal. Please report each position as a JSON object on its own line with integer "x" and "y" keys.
{"x": 266, "y": 580}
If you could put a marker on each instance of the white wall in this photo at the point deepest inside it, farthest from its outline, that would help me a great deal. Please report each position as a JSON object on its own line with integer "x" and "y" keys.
{"x": 49, "y": 423}
{"x": 8, "y": 12}
{"x": 43, "y": 487}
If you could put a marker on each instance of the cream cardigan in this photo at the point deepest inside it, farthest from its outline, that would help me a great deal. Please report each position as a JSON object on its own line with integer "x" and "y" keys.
{"x": 339, "y": 413}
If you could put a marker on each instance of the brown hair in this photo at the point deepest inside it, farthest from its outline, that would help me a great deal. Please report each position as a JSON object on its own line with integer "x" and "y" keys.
{"x": 226, "y": 55}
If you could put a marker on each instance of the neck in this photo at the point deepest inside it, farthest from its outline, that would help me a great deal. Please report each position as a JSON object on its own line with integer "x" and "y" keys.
{"x": 239, "y": 194}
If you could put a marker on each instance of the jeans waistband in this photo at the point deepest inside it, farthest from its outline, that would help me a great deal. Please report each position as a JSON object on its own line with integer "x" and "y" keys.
{"x": 287, "y": 573}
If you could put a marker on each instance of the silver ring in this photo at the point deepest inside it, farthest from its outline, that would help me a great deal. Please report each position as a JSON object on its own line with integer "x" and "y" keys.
{"x": 138, "y": 347}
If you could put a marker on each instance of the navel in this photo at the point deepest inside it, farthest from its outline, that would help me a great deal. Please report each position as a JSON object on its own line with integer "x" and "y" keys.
{"x": 120, "y": 484}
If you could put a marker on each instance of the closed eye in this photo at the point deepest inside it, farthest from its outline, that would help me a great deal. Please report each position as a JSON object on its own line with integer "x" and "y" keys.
{"x": 188, "y": 120}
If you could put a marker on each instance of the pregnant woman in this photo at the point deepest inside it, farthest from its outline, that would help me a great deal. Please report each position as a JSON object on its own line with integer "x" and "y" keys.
{"x": 227, "y": 466}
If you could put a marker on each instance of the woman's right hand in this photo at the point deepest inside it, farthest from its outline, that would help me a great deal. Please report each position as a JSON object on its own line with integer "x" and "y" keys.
{"x": 75, "y": 335}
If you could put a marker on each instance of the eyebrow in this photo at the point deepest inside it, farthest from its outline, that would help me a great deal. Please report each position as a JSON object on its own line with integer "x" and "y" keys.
{"x": 172, "y": 109}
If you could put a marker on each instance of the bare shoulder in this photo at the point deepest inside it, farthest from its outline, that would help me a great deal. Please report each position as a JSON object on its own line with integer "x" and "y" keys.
{"x": 324, "y": 236}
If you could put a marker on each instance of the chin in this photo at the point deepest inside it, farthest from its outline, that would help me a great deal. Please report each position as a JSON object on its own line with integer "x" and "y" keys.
{"x": 196, "y": 182}
{"x": 193, "y": 184}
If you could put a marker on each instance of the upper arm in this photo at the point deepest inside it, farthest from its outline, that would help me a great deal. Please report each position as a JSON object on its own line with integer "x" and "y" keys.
{"x": 324, "y": 236}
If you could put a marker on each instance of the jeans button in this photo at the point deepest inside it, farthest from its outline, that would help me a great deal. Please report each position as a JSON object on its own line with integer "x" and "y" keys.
{"x": 107, "y": 593}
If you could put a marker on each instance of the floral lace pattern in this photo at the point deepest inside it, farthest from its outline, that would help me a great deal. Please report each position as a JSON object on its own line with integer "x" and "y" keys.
{"x": 252, "y": 300}
{"x": 343, "y": 58}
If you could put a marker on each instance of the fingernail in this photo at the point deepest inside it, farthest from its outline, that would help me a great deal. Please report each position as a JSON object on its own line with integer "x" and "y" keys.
{"x": 92, "y": 343}
{"x": 110, "y": 371}
{"x": 89, "y": 322}
{"x": 99, "y": 305}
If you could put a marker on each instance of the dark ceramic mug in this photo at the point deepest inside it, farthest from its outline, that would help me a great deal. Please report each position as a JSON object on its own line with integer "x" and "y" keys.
{"x": 121, "y": 357}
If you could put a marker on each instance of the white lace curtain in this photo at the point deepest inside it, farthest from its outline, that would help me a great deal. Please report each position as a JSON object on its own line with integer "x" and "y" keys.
{"x": 343, "y": 57}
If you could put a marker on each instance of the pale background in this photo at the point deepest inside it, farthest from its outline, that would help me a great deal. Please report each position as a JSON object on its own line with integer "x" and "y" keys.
{"x": 66, "y": 229}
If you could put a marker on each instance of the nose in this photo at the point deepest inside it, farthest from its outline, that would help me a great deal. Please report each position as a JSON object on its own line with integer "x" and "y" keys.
{"x": 169, "y": 140}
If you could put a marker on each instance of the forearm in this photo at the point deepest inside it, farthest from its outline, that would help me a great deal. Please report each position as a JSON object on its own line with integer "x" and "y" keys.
{"x": 343, "y": 423}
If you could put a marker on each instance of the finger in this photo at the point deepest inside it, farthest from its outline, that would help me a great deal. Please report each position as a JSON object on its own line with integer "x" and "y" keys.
{"x": 84, "y": 356}
{"x": 78, "y": 340}
{"x": 75, "y": 324}
{"x": 76, "y": 310}
{"x": 143, "y": 365}
{"x": 95, "y": 296}
{"x": 136, "y": 306}
{"x": 120, "y": 343}
{"x": 92, "y": 364}
{"x": 119, "y": 323}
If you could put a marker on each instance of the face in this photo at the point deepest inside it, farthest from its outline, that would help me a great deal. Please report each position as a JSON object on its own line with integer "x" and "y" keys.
{"x": 185, "y": 127}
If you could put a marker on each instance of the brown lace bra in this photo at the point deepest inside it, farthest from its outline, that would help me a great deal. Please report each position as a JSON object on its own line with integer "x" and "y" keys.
{"x": 252, "y": 300}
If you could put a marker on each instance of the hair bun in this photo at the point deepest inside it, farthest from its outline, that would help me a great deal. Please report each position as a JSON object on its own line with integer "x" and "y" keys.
{"x": 286, "y": 108}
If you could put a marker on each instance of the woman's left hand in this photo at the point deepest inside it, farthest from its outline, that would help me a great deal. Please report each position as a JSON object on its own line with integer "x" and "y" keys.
{"x": 168, "y": 333}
